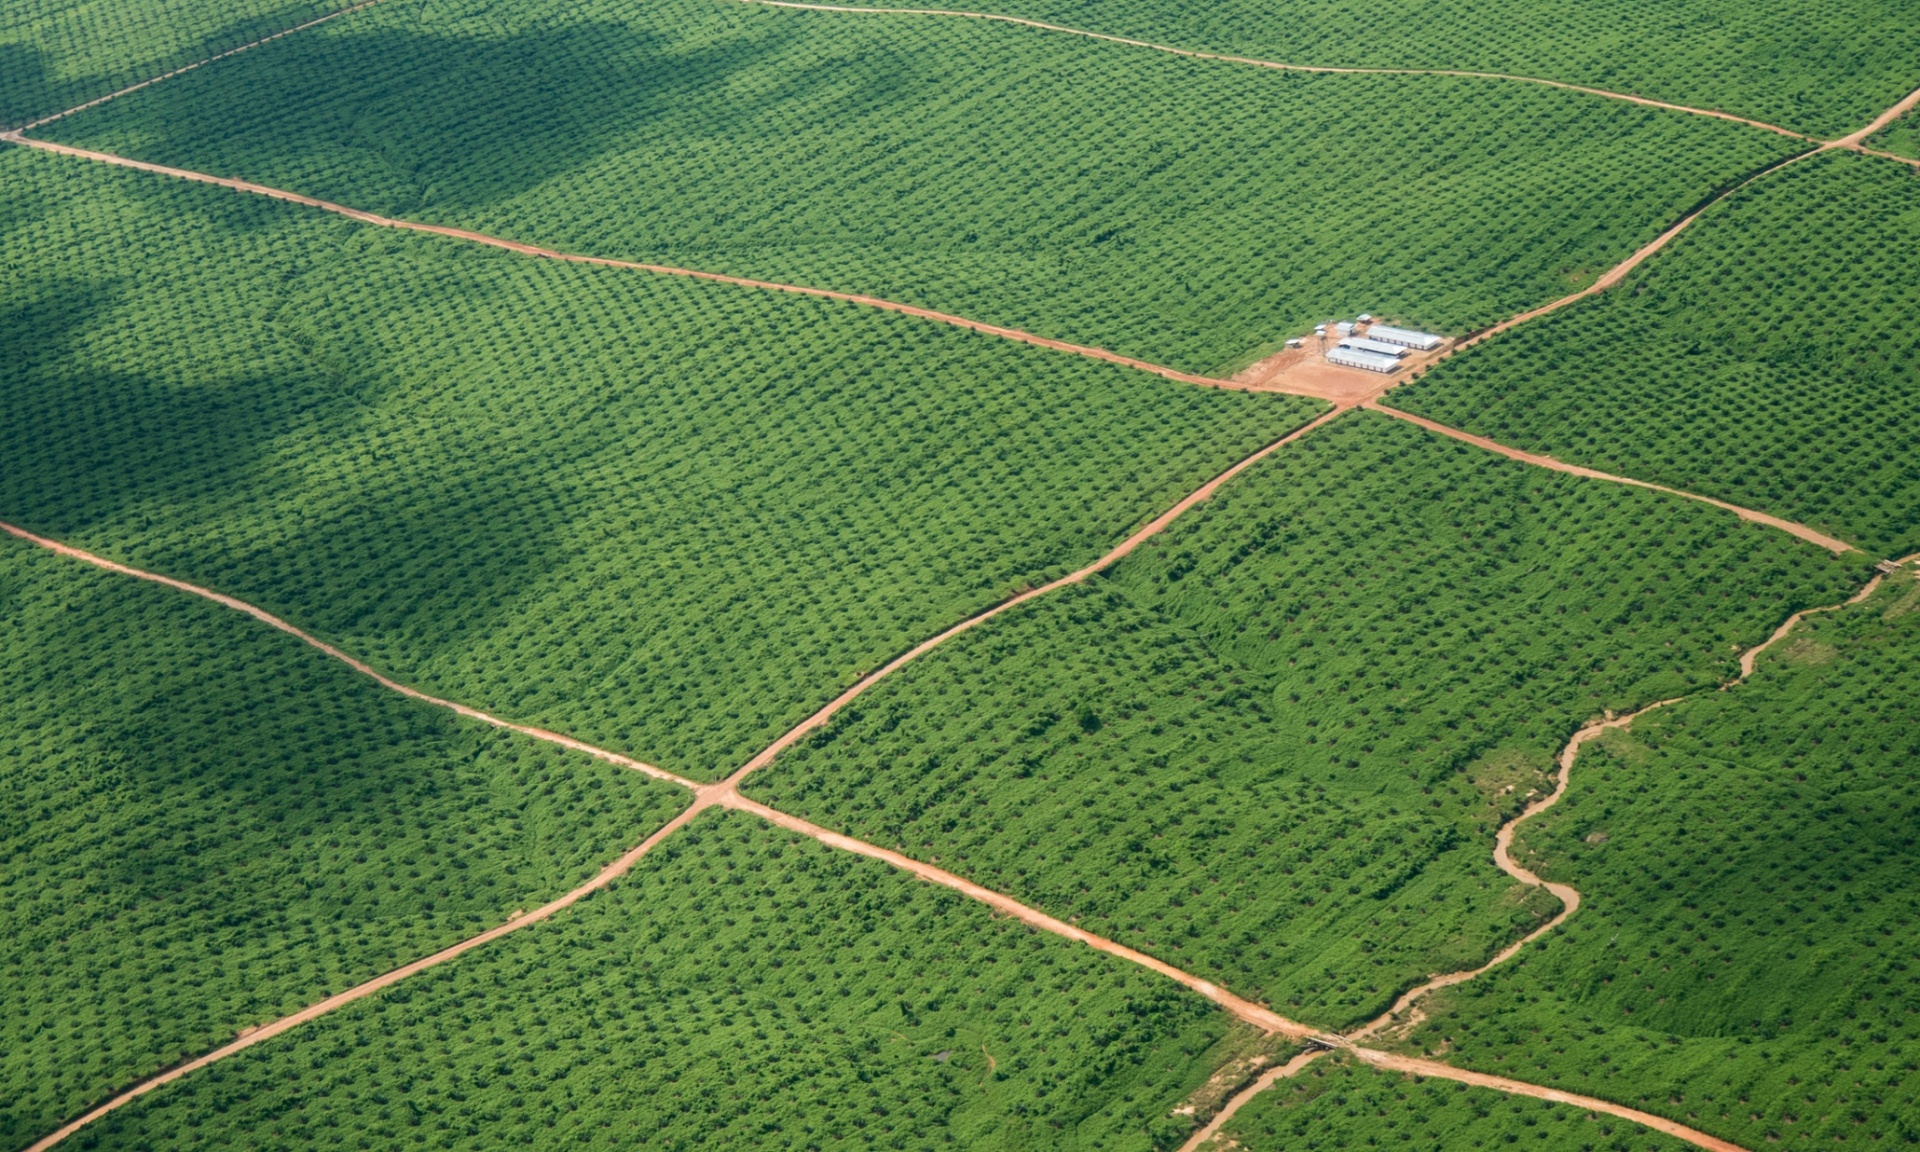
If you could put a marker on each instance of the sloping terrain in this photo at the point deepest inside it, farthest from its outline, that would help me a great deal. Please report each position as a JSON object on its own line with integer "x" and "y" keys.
{"x": 1272, "y": 746}
{"x": 1769, "y": 358}
{"x": 209, "y": 824}
{"x": 1743, "y": 958}
{"x": 668, "y": 518}
{"x": 739, "y": 989}
{"x": 1819, "y": 68}
{"x": 1188, "y": 213}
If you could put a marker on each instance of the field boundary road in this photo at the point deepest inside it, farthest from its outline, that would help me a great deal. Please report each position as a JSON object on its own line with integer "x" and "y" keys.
{"x": 185, "y": 68}
{"x": 1282, "y": 66}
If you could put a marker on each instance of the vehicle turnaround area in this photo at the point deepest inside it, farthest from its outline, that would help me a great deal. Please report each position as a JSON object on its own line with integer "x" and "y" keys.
{"x": 1114, "y": 574}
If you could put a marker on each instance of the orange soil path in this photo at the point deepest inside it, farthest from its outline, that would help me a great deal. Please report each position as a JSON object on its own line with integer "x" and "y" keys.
{"x": 268, "y": 618}
{"x": 1788, "y": 526}
{"x": 1284, "y": 67}
{"x": 724, "y": 793}
{"x": 185, "y": 68}
{"x": 1417, "y": 1067}
{"x": 1569, "y": 898}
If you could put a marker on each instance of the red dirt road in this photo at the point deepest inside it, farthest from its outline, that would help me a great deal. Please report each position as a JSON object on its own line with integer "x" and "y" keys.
{"x": 1255, "y": 1014}
{"x": 1799, "y": 530}
{"x": 1417, "y": 1067}
{"x": 1283, "y": 67}
{"x": 269, "y": 619}
{"x": 266, "y": 1032}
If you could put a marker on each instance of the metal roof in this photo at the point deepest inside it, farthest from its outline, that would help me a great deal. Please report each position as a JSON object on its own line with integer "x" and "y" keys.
{"x": 1406, "y": 336}
{"x": 1360, "y": 358}
{"x": 1368, "y": 344}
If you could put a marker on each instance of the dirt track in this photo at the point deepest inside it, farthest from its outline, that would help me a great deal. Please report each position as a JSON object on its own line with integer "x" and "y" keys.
{"x": 269, "y": 619}
{"x": 1279, "y": 66}
{"x": 185, "y": 68}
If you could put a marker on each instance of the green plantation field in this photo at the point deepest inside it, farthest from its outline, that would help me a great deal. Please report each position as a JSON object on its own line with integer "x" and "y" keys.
{"x": 55, "y": 54}
{"x": 1336, "y": 1103}
{"x": 740, "y": 989}
{"x": 1769, "y": 358}
{"x": 209, "y": 825}
{"x": 1902, "y": 137}
{"x": 655, "y": 514}
{"x": 1273, "y": 745}
{"x": 1813, "y": 67}
{"x": 1186, "y": 212}
{"x": 1743, "y": 958}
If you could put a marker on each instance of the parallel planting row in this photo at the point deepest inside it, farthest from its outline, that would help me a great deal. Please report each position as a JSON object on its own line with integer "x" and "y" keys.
{"x": 1272, "y": 747}
{"x": 1822, "y": 67}
{"x": 666, "y": 517}
{"x": 1769, "y": 358}
{"x": 1744, "y": 958}
{"x": 210, "y": 825}
{"x": 55, "y": 54}
{"x": 1184, "y": 212}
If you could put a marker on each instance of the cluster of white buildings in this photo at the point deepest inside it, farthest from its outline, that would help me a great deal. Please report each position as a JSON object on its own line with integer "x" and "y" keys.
{"x": 1374, "y": 347}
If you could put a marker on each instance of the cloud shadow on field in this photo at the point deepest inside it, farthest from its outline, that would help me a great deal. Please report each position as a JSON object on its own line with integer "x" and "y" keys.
{"x": 393, "y": 120}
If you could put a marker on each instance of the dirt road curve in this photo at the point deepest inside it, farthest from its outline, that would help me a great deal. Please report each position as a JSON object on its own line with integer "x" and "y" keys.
{"x": 185, "y": 68}
{"x": 366, "y": 670}
{"x": 1548, "y": 462}
{"x": 1266, "y": 1080}
{"x": 1417, "y": 1067}
{"x": 1905, "y": 106}
{"x": 1278, "y": 65}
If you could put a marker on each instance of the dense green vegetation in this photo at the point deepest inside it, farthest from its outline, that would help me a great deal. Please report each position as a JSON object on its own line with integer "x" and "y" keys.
{"x": 1902, "y": 137}
{"x": 209, "y": 825}
{"x": 1272, "y": 746}
{"x": 1336, "y": 1103}
{"x": 1187, "y": 212}
{"x": 1824, "y": 68}
{"x": 55, "y": 54}
{"x": 1770, "y": 358}
{"x": 1743, "y": 958}
{"x": 662, "y": 515}
{"x": 740, "y": 989}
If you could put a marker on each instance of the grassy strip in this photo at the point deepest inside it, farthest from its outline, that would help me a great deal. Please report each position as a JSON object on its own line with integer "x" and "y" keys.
{"x": 667, "y": 517}
{"x": 210, "y": 825}
{"x": 1273, "y": 746}
{"x": 1768, "y": 358}
{"x": 1187, "y": 213}
{"x": 1743, "y": 958}
{"x": 738, "y": 989}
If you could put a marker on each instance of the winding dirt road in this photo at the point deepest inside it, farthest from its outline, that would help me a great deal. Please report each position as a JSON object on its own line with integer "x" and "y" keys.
{"x": 1278, "y": 65}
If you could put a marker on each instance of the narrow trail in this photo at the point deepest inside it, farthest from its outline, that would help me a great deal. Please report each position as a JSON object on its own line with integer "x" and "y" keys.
{"x": 272, "y": 621}
{"x": 722, "y": 794}
{"x": 1569, "y": 898}
{"x": 1799, "y": 530}
{"x": 185, "y": 68}
{"x": 1856, "y": 139}
{"x": 1282, "y": 66}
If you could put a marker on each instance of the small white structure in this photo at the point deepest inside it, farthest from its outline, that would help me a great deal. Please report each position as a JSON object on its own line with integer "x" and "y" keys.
{"x": 1366, "y": 317}
{"x": 1361, "y": 358}
{"x": 1297, "y": 342}
{"x": 1406, "y": 337}
{"x": 1319, "y": 329}
{"x": 1344, "y": 329}
{"x": 1369, "y": 344}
